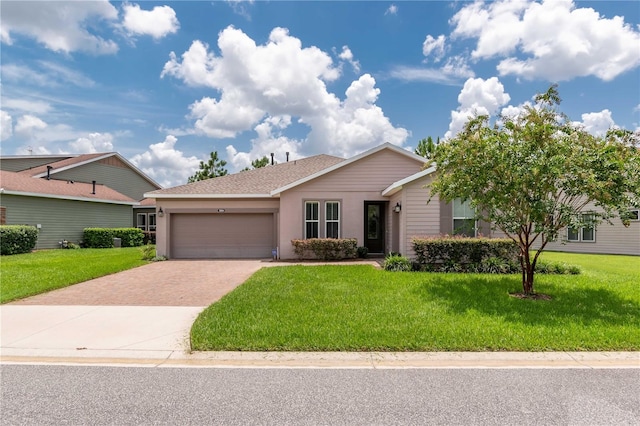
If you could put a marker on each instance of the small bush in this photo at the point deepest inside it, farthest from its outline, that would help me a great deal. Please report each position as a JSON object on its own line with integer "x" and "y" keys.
{"x": 148, "y": 252}
{"x": 72, "y": 246}
{"x": 103, "y": 237}
{"x": 397, "y": 263}
{"x": 16, "y": 239}
{"x": 325, "y": 248}
{"x": 362, "y": 252}
{"x": 496, "y": 265}
{"x": 556, "y": 268}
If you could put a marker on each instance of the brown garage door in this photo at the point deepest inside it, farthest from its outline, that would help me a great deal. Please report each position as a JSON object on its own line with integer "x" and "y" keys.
{"x": 222, "y": 236}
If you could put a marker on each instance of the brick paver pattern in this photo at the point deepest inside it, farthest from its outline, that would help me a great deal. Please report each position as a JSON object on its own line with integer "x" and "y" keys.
{"x": 169, "y": 283}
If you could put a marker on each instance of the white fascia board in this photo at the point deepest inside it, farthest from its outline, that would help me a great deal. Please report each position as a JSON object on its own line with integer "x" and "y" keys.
{"x": 204, "y": 196}
{"x": 397, "y": 186}
{"x": 69, "y": 197}
{"x": 347, "y": 162}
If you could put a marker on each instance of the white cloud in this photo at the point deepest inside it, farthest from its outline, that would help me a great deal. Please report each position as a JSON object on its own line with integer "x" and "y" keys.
{"x": 241, "y": 7}
{"x": 556, "y": 40}
{"x": 281, "y": 78}
{"x": 6, "y": 126}
{"x": 24, "y": 105}
{"x": 92, "y": 143}
{"x": 31, "y": 150}
{"x": 347, "y": 55}
{"x": 165, "y": 164}
{"x": 435, "y": 46}
{"x": 452, "y": 72}
{"x": 47, "y": 74}
{"x": 158, "y": 22}
{"x": 478, "y": 96}
{"x": 60, "y": 26}
{"x": 598, "y": 123}
{"x": 269, "y": 140}
{"x": 391, "y": 10}
{"x": 27, "y": 125}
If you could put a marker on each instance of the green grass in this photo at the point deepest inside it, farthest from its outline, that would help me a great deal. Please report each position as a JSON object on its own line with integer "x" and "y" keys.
{"x": 359, "y": 308}
{"x": 28, "y": 274}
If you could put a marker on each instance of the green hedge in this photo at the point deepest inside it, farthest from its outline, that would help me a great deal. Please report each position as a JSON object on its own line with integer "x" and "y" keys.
{"x": 16, "y": 239}
{"x": 326, "y": 248}
{"x": 444, "y": 252}
{"x": 103, "y": 237}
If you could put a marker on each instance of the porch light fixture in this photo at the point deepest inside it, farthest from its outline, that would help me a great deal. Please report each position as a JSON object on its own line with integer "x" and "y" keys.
{"x": 397, "y": 208}
{"x": 160, "y": 212}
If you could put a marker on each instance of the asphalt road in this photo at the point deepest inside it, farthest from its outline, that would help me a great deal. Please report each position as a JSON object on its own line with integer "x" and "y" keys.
{"x": 91, "y": 395}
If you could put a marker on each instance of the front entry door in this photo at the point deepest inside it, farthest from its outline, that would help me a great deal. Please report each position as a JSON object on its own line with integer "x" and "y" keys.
{"x": 374, "y": 221}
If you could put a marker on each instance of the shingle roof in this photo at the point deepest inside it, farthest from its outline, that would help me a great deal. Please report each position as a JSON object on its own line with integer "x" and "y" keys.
{"x": 257, "y": 182}
{"x": 21, "y": 184}
{"x": 62, "y": 163}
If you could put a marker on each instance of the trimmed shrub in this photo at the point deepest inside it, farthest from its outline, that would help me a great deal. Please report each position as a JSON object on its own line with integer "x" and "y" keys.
{"x": 16, "y": 239}
{"x": 326, "y": 248}
{"x": 362, "y": 252}
{"x": 463, "y": 254}
{"x": 396, "y": 263}
{"x": 557, "y": 268}
{"x": 103, "y": 237}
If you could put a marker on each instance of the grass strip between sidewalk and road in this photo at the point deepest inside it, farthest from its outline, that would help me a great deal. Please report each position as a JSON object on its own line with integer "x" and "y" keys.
{"x": 28, "y": 274}
{"x": 360, "y": 308}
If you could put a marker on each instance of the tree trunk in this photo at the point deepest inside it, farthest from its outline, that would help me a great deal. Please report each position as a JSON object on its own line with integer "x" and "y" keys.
{"x": 527, "y": 272}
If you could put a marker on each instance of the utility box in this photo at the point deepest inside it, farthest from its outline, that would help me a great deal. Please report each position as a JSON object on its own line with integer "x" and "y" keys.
{"x": 117, "y": 242}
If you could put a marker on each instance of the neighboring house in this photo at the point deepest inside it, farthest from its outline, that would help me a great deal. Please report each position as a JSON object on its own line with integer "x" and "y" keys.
{"x": 377, "y": 197}
{"x": 63, "y": 194}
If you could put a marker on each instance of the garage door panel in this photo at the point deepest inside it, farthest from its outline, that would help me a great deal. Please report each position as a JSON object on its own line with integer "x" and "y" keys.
{"x": 221, "y": 236}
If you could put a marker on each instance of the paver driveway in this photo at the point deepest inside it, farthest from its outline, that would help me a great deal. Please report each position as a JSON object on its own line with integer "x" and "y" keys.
{"x": 170, "y": 283}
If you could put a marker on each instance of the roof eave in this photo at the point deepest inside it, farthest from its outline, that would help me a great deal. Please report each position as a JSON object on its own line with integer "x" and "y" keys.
{"x": 397, "y": 186}
{"x": 68, "y": 197}
{"x": 205, "y": 196}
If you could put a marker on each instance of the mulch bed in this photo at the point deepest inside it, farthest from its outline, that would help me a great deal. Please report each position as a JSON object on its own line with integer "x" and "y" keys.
{"x": 534, "y": 296}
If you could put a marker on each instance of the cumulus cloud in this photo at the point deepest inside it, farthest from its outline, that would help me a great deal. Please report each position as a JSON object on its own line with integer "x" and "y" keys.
{"x": 270, "y": 139}
{"x": 59, "y": 26}
{"x": 391, "y": 10}
{"x": 158, "y": 22}
{"x": 165, "y": 164}
{"x": 347, "y": 55}
{"x": 27, "y": 125}
{"x": 477, "y": 97}
{"x": 6, "y": 126}
{"x": 276, "y": 79}
{"x": 597, "y": 123}
{"x": 92, "y": 143}
{"x": 554, "y": 39}
{"x": 435, "y": 46}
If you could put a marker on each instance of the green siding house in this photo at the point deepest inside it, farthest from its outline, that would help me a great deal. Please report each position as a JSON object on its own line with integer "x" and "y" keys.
{"x": 62, "y": 195}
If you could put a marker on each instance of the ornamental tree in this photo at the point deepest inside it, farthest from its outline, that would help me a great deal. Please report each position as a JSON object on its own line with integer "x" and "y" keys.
{"x": 533, "y": 174}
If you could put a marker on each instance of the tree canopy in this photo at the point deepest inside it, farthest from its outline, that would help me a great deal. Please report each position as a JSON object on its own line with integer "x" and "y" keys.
{"x": 427, "y": 148}
{"x": 214, "y": 167}
{"x": 534, "y": 174}
{"x": 258, "y": 163}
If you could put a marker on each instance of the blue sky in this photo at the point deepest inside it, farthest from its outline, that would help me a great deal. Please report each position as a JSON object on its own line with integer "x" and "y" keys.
{"x": 166, "y": 83}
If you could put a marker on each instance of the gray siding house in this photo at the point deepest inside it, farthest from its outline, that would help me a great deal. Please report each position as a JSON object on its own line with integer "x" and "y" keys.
{"x": 63, "y": 194}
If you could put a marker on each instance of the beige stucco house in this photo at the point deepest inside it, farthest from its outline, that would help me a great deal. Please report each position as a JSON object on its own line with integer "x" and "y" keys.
{"x": 377, "y": 197}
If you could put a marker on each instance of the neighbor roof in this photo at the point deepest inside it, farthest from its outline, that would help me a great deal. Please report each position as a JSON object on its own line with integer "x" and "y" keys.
{"x": 77, "y": 160}
{"x": 13, "y": 183}
{"x": 258, "y": 183}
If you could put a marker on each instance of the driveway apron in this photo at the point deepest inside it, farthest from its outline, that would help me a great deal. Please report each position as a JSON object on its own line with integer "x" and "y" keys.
{"x": 149, "y": 308}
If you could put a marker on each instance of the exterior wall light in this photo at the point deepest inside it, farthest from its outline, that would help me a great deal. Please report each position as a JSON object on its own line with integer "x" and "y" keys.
{"x": 160, "y": 212}
{"x": 397, "y": 208}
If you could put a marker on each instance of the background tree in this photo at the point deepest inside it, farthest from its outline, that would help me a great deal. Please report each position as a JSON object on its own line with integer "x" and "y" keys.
{"x": 257, "y": 163}
{"x": 532, "y": 175}
{"x": 214, "y": 167}
{"x": 426, "y": 148}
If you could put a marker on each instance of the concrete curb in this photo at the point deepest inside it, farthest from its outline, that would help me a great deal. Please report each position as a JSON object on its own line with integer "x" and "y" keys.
{"x": 353, "y": 360}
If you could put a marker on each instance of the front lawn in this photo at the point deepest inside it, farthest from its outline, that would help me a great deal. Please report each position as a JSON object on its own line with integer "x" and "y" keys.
{"x": 360, "y": 308}
{"x": 23, "y": 275}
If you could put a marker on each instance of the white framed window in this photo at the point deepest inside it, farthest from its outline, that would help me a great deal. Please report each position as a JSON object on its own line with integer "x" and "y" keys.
{"x": 332, "y": 219}
{"x": 464, "y": 218}
{"x": 311, "y": 219}
{"x": 152, "y": 222}
{"x": 586, "y": 233}
{"x": 141, "y": 221}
